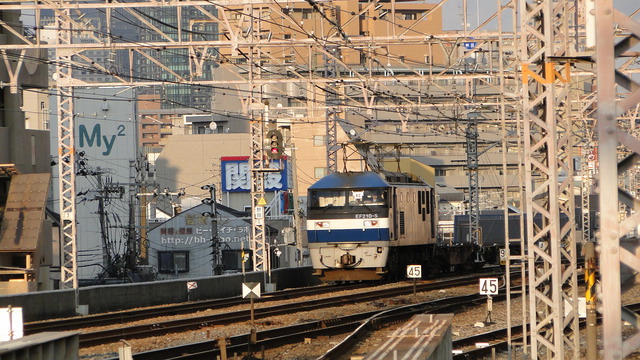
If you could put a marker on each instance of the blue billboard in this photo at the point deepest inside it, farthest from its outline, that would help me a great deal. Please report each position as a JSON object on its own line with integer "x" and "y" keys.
{"x": 236, "y": 175}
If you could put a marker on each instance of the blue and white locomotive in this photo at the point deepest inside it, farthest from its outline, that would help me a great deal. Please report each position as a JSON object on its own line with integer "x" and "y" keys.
{"x": 364, "y": 225}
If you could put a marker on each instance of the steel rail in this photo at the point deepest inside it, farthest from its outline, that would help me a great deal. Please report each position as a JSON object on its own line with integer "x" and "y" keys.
{"x": 273, "y": 338}
{"x": 497, "y": 339}
{"x": 172, "y": 326}
{"x": 120, "y": 317}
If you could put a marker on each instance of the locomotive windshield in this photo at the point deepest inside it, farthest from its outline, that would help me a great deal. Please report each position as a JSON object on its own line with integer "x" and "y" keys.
{"x": 351, "y": 198}
{"x": 322, "y": 199}
{"x": 367, "y": 197}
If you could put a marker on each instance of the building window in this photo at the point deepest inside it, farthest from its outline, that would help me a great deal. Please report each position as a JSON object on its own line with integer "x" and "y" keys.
{"x": 319, "y": 172}
{"x": 409, "y": 16}
{"x": 33, "y": 150}
{"x": 441, "y": 172}
{"x": 319, "y": 140}
{"x": 45, "y": 116}
{"x": 172, "y": 261}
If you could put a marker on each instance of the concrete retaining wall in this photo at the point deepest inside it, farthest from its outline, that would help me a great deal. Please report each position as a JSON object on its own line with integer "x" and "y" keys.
{"x": 60, "y": 303}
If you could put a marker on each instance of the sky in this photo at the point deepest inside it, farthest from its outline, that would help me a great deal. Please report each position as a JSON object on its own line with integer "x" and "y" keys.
{"x": 453, "y": 10}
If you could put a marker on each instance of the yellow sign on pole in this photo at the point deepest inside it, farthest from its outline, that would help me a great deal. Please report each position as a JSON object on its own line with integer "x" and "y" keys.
{"x": 262, "y": 201}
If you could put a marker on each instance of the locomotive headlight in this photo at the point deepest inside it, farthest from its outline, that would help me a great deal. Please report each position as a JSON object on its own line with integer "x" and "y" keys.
{"x": 370, "y": 223}
{"x": 322, "y": 224}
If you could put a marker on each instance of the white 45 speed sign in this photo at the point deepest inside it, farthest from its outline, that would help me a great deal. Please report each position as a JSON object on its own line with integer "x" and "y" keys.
{"x": 488, "y": 286}
{"x": 414, "y": 271}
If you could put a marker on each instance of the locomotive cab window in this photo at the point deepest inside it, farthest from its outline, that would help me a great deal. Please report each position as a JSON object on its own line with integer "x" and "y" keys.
{"x": 323, "y": 199}
{"x": 368, "y": 197}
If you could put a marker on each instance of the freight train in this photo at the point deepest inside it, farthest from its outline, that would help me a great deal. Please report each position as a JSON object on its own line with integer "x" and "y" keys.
{"x": 368, "y": 225}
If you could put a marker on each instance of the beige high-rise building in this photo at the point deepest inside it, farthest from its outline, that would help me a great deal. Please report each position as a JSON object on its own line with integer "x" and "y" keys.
{"x": 351, "y": 19}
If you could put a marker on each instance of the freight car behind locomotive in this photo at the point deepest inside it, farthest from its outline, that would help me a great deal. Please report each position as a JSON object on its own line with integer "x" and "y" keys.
{"x": 492, "y": 231}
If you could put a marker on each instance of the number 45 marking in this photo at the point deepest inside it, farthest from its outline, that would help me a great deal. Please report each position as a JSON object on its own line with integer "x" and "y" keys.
{"x": 414, "y": 271}
{"x": 489, "y": 286}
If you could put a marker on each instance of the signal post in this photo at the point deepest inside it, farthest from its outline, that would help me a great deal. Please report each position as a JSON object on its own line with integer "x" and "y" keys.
{"x": 260, "y": 166}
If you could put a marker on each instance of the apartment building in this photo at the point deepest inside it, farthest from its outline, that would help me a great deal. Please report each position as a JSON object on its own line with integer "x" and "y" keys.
{"x": 25, "y": 225}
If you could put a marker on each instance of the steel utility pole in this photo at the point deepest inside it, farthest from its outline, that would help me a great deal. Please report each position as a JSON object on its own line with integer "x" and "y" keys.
{"x": 133, "y": 251}
{"x": 332, "y": 101}
{"x": 215, "y": 240}
{"x": 297, "y": 211}
{"x": 67, "y": 155}
{"x": 474, "y": 187}
{"x": 548, "y": 141}
{"x": 615, "y": 226}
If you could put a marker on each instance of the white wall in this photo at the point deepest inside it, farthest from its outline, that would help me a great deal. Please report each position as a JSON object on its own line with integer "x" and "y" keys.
{"x": 106, "y": 133}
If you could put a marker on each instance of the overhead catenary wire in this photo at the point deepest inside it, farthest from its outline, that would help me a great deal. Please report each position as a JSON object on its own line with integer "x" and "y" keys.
{"x": 379, "y": 94}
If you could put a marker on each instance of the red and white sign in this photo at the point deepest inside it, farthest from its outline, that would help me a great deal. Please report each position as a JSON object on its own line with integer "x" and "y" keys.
{"x": 192, "y": 285}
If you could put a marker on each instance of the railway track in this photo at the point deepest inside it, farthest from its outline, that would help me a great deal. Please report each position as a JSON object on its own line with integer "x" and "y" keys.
{"x": 357, "y": 324}
{"x": 497, "y": 340}
{"x": 126, "y": 316}
{"x": 119, "y": 317}
{"x": 225, "y": 318}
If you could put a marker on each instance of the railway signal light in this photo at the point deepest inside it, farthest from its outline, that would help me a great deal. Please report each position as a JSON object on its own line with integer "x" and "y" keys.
{"x": 275, "y": 149}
